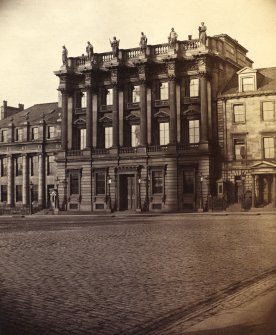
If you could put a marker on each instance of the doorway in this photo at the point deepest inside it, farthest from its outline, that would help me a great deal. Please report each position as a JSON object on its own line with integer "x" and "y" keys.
{"x": 127, "y": 190}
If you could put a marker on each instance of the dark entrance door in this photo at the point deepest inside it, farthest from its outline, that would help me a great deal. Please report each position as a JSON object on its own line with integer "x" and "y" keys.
{"x": 265, "y": 192}
{"x": 127, "y": 192}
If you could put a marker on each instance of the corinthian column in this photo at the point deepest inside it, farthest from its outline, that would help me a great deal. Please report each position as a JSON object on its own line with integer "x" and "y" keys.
{"x": 10, "y": 181}
{"x": 203, "y": 108}
{"x": 64, "y": 125}
{"x": 25, "y": 182}
{"x": 41, "y": 177}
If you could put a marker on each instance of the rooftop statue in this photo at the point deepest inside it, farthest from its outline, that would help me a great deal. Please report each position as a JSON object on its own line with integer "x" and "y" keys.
{"x": 172, "y": 39}
{"x": 143, "y": 41}
{"x": 115, "y": 46}
{"x": 64, "y": 55}
{"x": 202, "y": 34}
{"x": 89, "y": 50}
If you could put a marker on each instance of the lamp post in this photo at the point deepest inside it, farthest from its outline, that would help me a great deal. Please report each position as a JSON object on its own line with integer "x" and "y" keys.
{"x": 243, "y": 181}
{"x": 139, "y": 195}
{"x": 109, "y": 181}
{"x": 31, "y": 196}
{"x": 64, "y": 182}
{"x": 57, "y": 199}
{"x": 200, "y": 209}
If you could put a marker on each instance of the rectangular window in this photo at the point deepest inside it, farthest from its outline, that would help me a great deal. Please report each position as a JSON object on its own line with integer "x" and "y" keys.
{"x": 108, "y": 137}
{"x": 109, "y": 96}
{"x": 82, "y": 138}
{"x": 268, "y": 111}
{"x": 247, "y": 84}
{"x": 239, "y": 149}
{"x": 83, "y": 100}
{"x": 18, "y": 166}
{"x": 34, "y": 165}
{"x": 269, "y": 149}
{"x": 100, "y": 183}
{"x": 164, "y": 133}
{"x": 51, "y": 132}
{"x": 50, "y": 165}
{"x": 4, "y": 167}
{"x": 135, "y": 135}
{"x": 194, "y": 87}
{"x": 4, "y": 136}
{"x": 18, "y": 193}
{"x": 74, "y": 183}
{"x": 4, "y": 193}
{"x": 34, "y": 133}
{"x": 157, "y": 182}
{"x": 239, "y": 113}
{"x": 19, "y": 135}
{"x": 164, "y": 91}
{"x": 35, "y": 193}
{"x": 193, "y": 131}
{"x": 188, "y": 182}
{"x": 136, "y": 94}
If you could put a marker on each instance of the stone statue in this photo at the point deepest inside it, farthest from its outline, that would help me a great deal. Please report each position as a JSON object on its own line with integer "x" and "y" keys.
{"x": 115, "y": 46}
{"x": 172, "y": 39}
{"x": 89, "y": 50}
{"x": 64, "y": 55}
{"x": 202, "y": 34}
{"x": 143, "y": 42}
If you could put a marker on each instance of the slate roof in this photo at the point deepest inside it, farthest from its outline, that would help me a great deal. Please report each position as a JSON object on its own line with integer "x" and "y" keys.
{"x": 266, "y": 82}
{"x": 34, "y": 115}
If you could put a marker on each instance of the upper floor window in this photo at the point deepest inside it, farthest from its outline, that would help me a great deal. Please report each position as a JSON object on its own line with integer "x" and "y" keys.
{"x": 163, "y": 133}
{"x": 268, "y": 111}
{"x": 19, "y": 134}
{"x": 194, "y": 87}
{"x": 100, "y": 183}
{"x": 269, "y": 147}
{"x": 108, "y": 137}
{"x": 239, "y": 113}
{"x": 135, "y": 135}
{"x": 193, "y": 131}
{"x": 136, "y": 94}
{"x": 18, "y": 166}
{"x": 239, "y": 148}
{"x": 83, "y": 100}
{"x": 157, "y": 182}
{"x": 82, "y": 138}
{"x": 4, "y": 136}
{"x": 50, "y": 132}
{"x": 109, "y": 96}
{"x": 34, "y": 133}
{"x": 164, "y": 91}
{"x": 4, "y": 166}
{"x": 50, "y": 164}
{"x": 247, "y": 84}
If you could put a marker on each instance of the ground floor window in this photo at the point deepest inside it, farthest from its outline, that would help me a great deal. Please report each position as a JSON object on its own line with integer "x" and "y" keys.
{"x": 18, "y": 193}
{"x": 100, "y": 183}
{"x": 74, "y": 183}
{"x": 4, "y": 193}
{"x": 157, "y": 182}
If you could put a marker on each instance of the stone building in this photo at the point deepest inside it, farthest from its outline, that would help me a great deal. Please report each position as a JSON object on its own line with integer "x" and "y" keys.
{"x": 247, "y": 135}
{"x": 29, "y": 141}
{"x": 139, "y": 126}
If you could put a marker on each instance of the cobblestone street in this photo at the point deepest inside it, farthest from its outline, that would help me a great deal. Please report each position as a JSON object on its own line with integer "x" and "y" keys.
{"x": 125, "y": 275}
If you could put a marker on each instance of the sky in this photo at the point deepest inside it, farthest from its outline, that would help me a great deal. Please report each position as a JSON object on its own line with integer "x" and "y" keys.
{"x": 32, "y": 33}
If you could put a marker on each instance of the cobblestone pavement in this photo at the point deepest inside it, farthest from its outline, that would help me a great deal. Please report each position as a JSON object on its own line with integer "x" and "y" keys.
{"x": 125, "y": 276}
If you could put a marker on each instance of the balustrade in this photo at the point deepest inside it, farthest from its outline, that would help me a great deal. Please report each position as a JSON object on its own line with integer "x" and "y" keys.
{"x": 128, "y": 150}
{"x": 134, "y": 53}
{"x": 160, "y": 49}
{"x": 157, "y": 148}
{"x": 74, "y": 153}
{"x": 100, "y": 151}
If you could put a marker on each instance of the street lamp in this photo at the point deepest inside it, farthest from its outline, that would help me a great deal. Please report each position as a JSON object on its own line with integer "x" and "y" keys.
{"x": 57, "y": 199}
{"x": 243, "y": 181}
{"x": 139, "y": 194}
{"x": 201, "y": 194}
{"x": 109, "y": 181}
{"x": 31, "y": 196}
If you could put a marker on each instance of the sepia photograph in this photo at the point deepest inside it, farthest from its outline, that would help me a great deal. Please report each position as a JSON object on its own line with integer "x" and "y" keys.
{"x": 137, "y": 167}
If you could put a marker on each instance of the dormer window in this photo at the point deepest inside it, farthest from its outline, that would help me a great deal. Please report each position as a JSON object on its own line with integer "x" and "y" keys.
{"x": 247, "y": 79}
{"x": 19, "y": 135}
{"x": 247, "y": 84}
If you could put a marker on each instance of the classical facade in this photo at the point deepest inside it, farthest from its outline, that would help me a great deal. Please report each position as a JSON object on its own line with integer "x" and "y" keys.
{"x": 247, "y": 135}
{"x": 139, "y": 127}
{"x": 29, "y": 141}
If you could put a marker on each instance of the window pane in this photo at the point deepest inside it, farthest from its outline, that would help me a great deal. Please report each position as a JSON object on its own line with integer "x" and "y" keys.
{"x": 109, "y": 96}
{"x": 34, "y": 165}
{"x": 247, "y": 84}
{"x": 157, "y": 182}
{"x": 83, "y": 100}
{"x": 51, "y": 132}
{"x": 18, "y": 166}
{"x": 164, "y": 133}
{"x": 269, "y": 147}
{"x": 268, "y": 110}
{"x": 108, "y": 137}
{"x": 74, "y": 184}
{"x": 4, "y": 167}
{"x": 194, "y": 87}
{"x": 164, "y": 91}
{"x": 239, "y": 148}
{"x": 188, "y": 182}
{"x": 193, "y": 131}
{"x": 50, "y": 165}
{"x": 239, "y": 113}
{"x": 82, "y": 139}
{"x": 100, "y": 183}
{"x": 34, "y": 133}
{"x": 4, "y": 136}
{"x": 135, "y": 135}
{"x": 136, "y": 94}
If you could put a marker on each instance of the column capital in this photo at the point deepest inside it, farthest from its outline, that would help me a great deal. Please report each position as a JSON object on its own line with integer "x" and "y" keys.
{"x": 171, "y": 69}
{"x": 142, "y": 72}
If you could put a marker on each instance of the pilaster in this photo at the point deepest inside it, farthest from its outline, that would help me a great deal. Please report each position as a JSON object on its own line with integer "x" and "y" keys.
{"x": 25, "y": 180}
{"x": 10, "y": 197}
{"x": 41, "y": 177}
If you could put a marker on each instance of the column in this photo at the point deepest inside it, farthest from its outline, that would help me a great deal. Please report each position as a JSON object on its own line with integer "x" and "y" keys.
{"x": 41, "y": 180}
{"x": 203, "y": 108}
{"x": 25, "y": 181}
{"x": 274, "y": 191}
{"x": 143, "y": 115}
{"x": 149, "y": 111}
{"x": 89, "y": 113}
{"x": 64, "y": 125}
{"x": 173, "y": 128}
{"x": 253, "y": 191}
{"x": 10, "y": 181}
{"x": 115, "y": 116}
{"x": 94, "y": 119}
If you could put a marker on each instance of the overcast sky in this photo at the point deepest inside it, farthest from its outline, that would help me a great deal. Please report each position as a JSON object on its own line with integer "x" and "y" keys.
{"x": 32, "y": 33}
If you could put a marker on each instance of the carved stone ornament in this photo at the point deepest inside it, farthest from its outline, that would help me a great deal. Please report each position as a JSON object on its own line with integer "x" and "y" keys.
{"x": 171, "y": 70}
{"x": 114, "y": 76}
{"x": 142, "y": 72}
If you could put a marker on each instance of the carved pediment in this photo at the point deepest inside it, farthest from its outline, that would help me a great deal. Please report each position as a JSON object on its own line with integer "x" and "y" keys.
{"x": 106, "y": 119}
{"x": 192, "y": 110}
{"x": 263, "y": 165}
{"x": 80, "y": 122}
{"x": 247, "y": 70}
{"x": 133, "y": 116}
{"x": 161, "y": 114}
